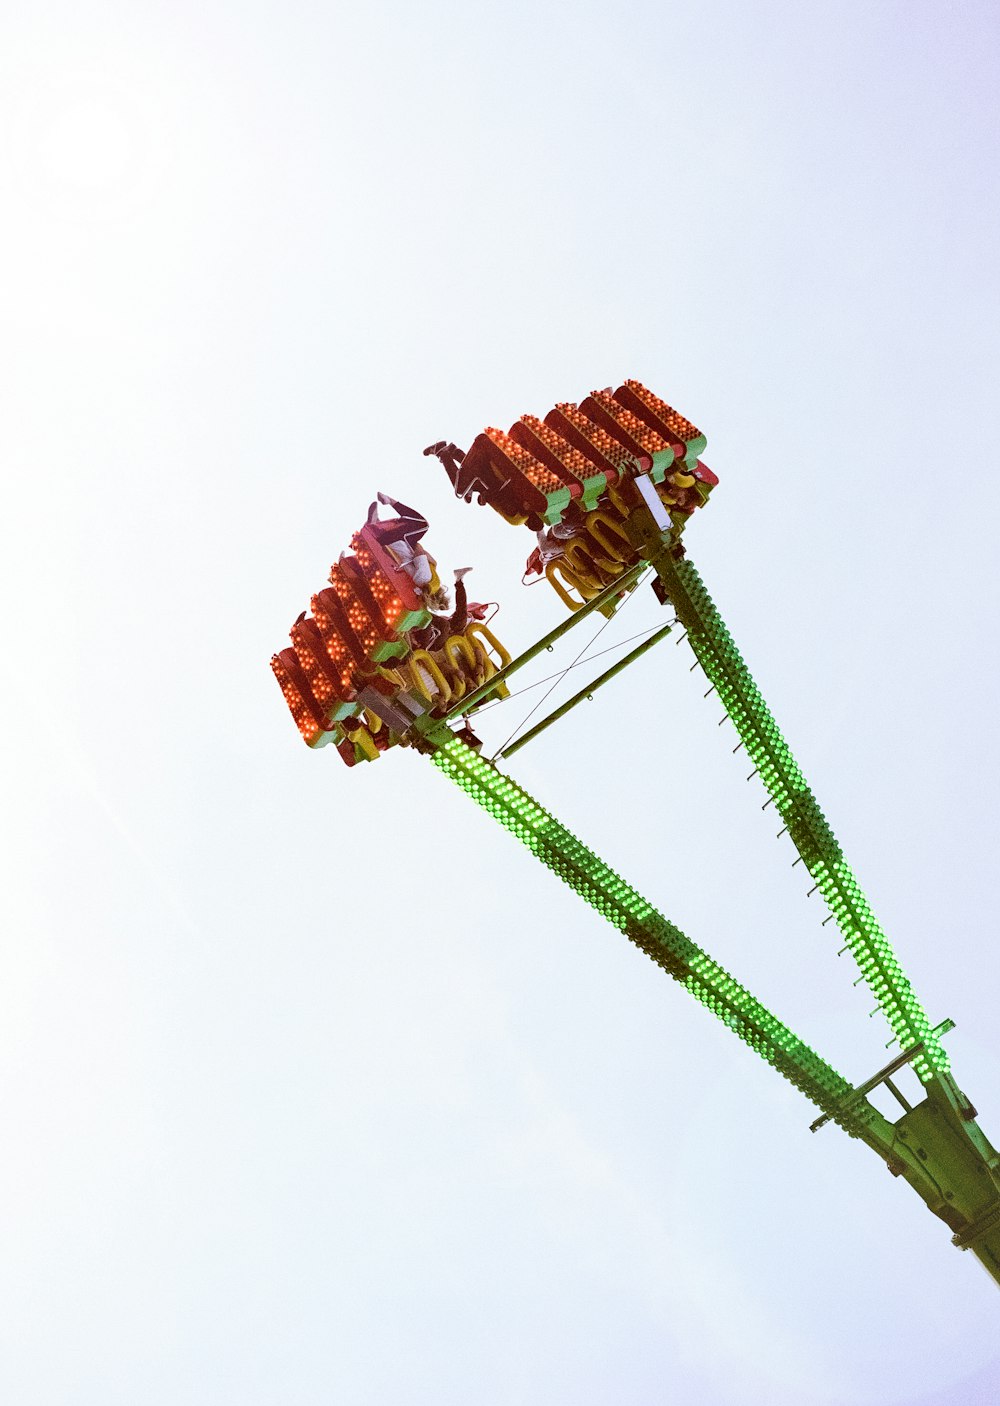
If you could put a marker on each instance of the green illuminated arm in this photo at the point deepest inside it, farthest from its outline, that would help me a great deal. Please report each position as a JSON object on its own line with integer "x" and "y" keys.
{"x": 633, "y": 915}
{"x": 956, "y": 1169}
{"x": 715, "y": 651}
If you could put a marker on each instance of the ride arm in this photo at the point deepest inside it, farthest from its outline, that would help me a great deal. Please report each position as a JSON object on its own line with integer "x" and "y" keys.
{"x": 807, "y": 825}
{"x": 560, "y": 850}
{"x": 955, "y": 1168}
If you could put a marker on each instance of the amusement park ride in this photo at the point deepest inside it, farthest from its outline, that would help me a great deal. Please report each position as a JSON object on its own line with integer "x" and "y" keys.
{"x": 607, "y": 488}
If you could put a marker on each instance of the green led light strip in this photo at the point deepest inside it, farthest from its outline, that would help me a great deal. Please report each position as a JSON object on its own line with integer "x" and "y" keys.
{"x": 807, "y": 826}
{"x": 633, "y": 915}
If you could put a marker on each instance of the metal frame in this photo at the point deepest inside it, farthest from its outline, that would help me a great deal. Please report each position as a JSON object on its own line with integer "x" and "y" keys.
{"x": 585, "y": 693}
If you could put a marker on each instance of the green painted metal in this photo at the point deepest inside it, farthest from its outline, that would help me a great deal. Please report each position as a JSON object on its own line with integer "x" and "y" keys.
{"x": 606, "y": 597}
{"x": 807, "y": 826}
{"x": 883, "y": 1076}
{"x": 955, "y": 1169}
{"x": 635, "y": 916}
{"x": 587, "y": 692}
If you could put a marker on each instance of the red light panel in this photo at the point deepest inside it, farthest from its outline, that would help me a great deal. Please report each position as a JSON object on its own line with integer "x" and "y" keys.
{"x": 511, "y": 479}
{"x": 341, "y": 644}
{"x": 637, "y": 437}
{"x": 303, "y": 706}
{"x": 358, "y": 618}
{"x": 365, "y": 596}
{"x": 555, "y": 452}
{"x": 634, "y": 396}
{"x": 541, "y": 478}
{"x": 593, "y": 442}
{"x": 319, "y": 669}
{"x": 390, "y": 584}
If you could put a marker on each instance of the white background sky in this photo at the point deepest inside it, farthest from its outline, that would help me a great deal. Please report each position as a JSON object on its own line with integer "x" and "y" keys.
{"x": 314, "y": 1086}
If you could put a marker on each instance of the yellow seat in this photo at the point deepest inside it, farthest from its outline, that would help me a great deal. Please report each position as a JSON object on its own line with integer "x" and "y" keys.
{"x": 564, "y": 580}
{"x": 483, "y": 640}
{"x": 582, "y": 564}
{"x": 428, "y": 678}
{"x": 610, "y": 536}
{"x": 459, "y": 659}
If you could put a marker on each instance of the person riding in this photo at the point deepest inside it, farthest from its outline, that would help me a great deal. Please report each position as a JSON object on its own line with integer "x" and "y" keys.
{"x": 445, "y": 621}
{"x": 401, "y": 536}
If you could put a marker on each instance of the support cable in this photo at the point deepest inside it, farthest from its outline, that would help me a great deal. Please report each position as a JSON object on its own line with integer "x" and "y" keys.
{"x": 587, "y": 659}
{"x": 559, "y": 677}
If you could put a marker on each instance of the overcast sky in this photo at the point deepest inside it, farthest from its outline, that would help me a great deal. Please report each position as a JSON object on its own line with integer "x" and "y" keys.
{"x": 315, "y": 1087}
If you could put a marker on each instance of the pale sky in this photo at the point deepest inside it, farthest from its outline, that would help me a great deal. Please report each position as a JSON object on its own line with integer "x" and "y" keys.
{"x": 315, "y": 1087}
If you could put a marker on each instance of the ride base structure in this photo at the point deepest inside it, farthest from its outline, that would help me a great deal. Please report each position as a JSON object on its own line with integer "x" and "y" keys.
{"x": 608, "y": 487}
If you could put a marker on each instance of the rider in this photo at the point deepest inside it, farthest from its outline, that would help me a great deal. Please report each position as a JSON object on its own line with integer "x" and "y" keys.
{"x": 445, "y": 622}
